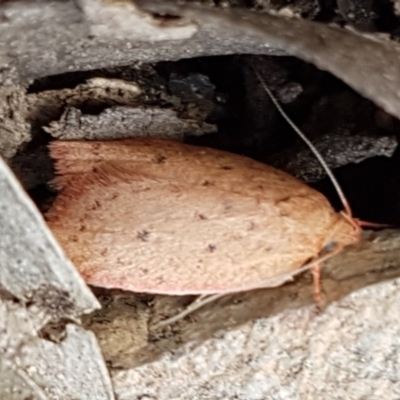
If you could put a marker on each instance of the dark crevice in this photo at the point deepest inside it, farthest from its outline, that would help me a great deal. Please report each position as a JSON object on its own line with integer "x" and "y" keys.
{"x": 224, "y": 91}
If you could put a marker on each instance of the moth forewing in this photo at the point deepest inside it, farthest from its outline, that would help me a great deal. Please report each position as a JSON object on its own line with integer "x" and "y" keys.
{"x": 157, "y": 216}
{"x": 187, "y": 225}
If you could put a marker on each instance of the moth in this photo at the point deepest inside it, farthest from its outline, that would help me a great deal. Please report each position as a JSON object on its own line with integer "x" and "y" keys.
{"x": 158, "y": 216}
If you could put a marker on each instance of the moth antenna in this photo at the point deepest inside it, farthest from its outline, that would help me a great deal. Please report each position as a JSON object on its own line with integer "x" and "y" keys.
{"x": 309, "y": 144}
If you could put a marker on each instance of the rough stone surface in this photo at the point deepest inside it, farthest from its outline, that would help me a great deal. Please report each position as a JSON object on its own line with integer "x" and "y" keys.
{"x": 344, "y": 353}
{"x": 40, "y": 287}
{"x": 33, "y": 265}
{"x": 50, "y": 370}
{"x": 14, "y": 128}
{"x": 92, "y": 34}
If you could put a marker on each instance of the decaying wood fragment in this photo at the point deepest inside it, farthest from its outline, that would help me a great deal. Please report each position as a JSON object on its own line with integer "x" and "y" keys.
{"x": 122, "y": 122}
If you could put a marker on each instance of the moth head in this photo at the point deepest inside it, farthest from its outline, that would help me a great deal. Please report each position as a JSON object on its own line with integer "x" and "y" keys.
{"x": 345, "y": 231}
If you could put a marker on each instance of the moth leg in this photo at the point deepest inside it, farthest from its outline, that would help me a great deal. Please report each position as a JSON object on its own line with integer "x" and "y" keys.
{"x": 316, "y": 273}
{"x": 198, "y": 303}
{"x": 366, "y": 224}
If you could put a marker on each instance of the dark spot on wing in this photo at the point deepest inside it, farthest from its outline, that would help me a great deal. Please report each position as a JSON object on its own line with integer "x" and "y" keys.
{"x": 73, "y": 238}
{"x": 143, "y": 235}
{"x": 104, "y": 252}
{"x": 160, "y": 159}
{"x": 207, "y": 183}
{"x": 227, "y": 206}
{"x": 251, "y": 227}
{"x": 211, "y": 248}
{"x": 95, "y": 206}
